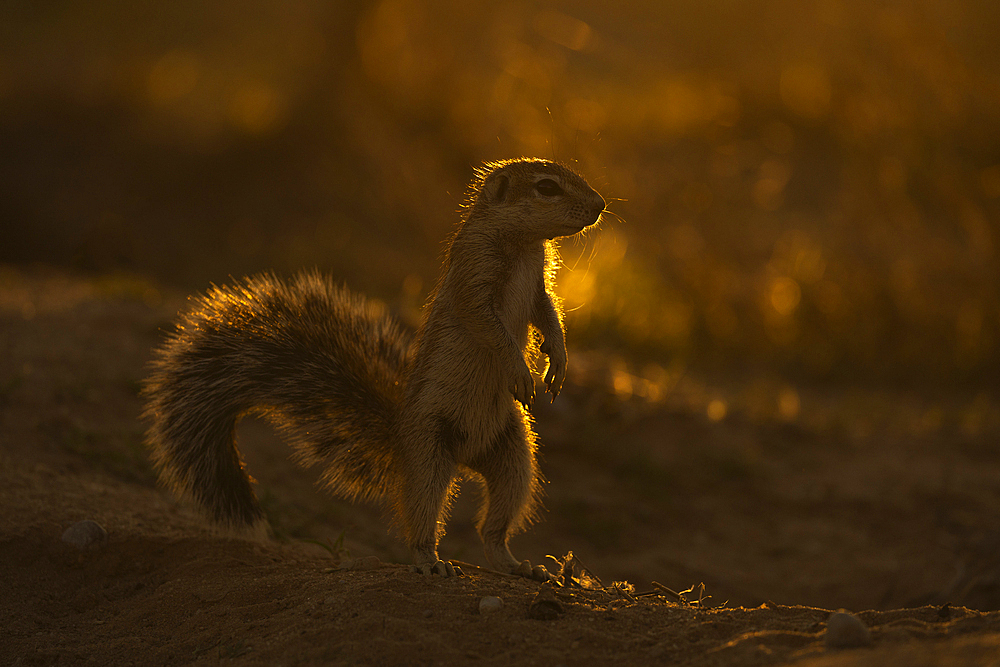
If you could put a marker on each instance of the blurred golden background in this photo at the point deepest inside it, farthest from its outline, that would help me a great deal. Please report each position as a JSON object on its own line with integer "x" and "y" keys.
{"x": 812, "y": 188}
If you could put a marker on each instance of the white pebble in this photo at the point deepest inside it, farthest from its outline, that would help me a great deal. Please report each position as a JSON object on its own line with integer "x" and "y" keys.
{"x": 490, "y": 604}
{"x": 845, "y": 630}
{"x": 84, "y": 534}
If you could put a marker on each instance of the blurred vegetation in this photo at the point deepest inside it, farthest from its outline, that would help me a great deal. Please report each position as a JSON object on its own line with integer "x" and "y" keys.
{"x": 807, "y": 187}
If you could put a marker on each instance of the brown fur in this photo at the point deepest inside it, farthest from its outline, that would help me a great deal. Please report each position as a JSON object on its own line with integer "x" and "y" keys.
{"x": 386, "y": 418}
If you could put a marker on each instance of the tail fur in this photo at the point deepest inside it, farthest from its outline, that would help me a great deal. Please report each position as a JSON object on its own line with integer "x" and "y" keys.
{"x": 324, "y": 365}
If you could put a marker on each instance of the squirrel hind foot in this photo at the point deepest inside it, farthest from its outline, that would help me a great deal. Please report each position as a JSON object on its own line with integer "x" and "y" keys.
{"x": 443, "y": 568}
{"x": 536, "y": 573}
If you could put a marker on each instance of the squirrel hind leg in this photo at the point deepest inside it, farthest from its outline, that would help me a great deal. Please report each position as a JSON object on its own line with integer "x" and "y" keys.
{"x": 425, "y": 511}
{"x": 512, "y": 485}
{"x": 423, "y": 496}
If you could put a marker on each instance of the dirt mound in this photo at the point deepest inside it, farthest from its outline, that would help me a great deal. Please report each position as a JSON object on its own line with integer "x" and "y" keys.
{"x": 757, "y": 511}
{"x": 164, "y": 590}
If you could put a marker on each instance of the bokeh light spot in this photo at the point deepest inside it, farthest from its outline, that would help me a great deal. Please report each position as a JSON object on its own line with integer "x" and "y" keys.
{"x": 623, "y": 384}
{"x": 257, "y": 108}
{"x": 785, "y": 295}
{"x": 563, "y": 30}
{"x": 717, "y": 410}
{"x": 989, "y": 178}
{"x": 789, "y": 404}
{"x": 173, "y": 77}
{"x": 772, "y": 177}
{"x": 805, "y": 89}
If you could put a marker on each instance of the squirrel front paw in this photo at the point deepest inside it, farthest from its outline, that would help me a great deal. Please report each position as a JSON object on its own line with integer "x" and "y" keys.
{"x": 556, "y": 373}
{"x": 522, "y": 385}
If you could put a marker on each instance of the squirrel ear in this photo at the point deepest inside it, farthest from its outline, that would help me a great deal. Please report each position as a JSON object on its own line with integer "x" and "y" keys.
{"x": 496, "y": 188}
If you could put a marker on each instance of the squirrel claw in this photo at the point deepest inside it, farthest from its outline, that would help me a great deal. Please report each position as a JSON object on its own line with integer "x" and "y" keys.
{"x": 555, "y": 376}
{"x": 523, "y": 387}
{"x": 554, "y": 390}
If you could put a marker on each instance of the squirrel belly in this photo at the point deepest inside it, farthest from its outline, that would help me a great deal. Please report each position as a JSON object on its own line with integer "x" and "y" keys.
{"x": 386, "y": 416}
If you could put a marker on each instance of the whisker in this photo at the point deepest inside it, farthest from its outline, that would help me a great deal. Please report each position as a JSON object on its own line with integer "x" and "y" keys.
{"x": 618, "y": 217}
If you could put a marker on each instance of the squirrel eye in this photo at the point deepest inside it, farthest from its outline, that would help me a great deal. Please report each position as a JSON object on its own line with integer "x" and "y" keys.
{"x": 548, "y": 187}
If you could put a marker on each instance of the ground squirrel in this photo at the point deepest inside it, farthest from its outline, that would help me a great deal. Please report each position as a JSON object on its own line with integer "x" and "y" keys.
{"x": 386, "y": 417}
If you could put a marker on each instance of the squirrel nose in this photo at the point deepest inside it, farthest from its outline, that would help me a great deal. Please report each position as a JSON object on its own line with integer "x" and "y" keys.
{"x": 597, "y": 207}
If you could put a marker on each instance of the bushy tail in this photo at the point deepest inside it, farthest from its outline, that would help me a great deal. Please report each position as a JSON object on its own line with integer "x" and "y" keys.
{"x": 324, "y": 365}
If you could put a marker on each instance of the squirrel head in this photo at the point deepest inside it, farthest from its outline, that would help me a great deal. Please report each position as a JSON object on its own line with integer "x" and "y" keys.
{"x": 532, "y": 198}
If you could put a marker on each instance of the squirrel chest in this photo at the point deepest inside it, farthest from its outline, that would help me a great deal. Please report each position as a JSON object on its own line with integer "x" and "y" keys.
{"x": 502, "y": 282}
{"x": 517, "y": 292}
{"x": 461, "y": 368}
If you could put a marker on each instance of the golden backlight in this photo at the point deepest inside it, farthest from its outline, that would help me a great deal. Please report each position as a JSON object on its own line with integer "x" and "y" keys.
{"x": 810, "y": 186}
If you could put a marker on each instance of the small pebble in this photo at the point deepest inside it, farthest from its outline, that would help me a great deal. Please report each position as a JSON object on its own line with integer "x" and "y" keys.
{"x": 845, "y": 630}
{"x": 363, "y": 563}
{"x": 85, "y": 534}
{"x": 490, "y": 604}
{"x": 545, "y": 606}
{"x": 367, "y": 563}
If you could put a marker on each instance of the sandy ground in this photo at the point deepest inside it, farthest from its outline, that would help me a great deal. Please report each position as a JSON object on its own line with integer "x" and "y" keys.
{"x": 882, "y": 502}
